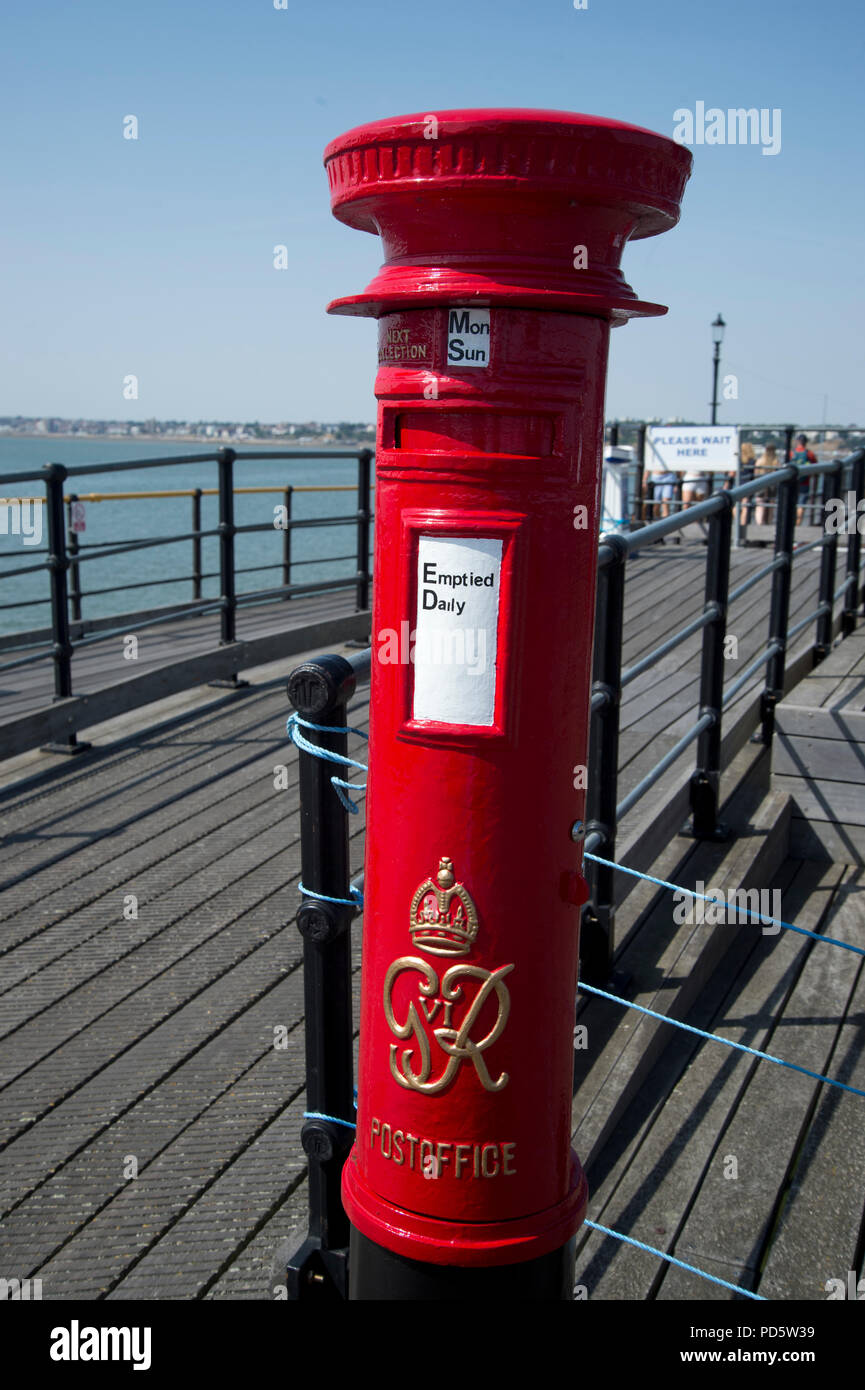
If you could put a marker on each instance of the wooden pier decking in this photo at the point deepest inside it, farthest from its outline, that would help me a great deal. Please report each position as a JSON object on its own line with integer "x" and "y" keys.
{"x": 181, "y": 637}
{"x": 752, "y": 1172}
{"x": 111, "y": 675}
{"x": 151, "y": 1010}
{"x": 821, "y": 755}
{"x": 749, "y": 1171}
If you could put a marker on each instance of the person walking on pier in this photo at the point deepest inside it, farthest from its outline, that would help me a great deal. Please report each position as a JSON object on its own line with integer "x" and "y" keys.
{"x": 747, "y": 457}
{"x": 768, "y": 462}
{"x": 695, "y": 487}
{"x": 801, "y": 456}
{"x": 663, "y": 484}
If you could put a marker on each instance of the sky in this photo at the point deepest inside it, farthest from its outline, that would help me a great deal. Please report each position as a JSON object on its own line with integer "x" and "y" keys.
{"x": 155, "y": 256}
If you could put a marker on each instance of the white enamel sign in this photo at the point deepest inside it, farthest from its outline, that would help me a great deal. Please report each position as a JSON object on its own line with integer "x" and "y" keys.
{"x": 458, "y": 582}
{"x": 692, "y": 448}
{"x": 468, "y": 338}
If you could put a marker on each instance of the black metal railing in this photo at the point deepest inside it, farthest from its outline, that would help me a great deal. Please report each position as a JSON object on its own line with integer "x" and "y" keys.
{"x": 604, "y": 811}
{"x": 320, "y": 691}
{"x": 651, "y": 498}
{"x": 66, "y": 557}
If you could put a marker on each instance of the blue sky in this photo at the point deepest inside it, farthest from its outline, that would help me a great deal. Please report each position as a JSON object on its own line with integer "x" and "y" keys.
{"x": 155, "y": 256}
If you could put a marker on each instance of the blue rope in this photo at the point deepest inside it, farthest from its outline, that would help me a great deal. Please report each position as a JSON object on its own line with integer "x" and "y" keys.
{"x": 318, "y": 1115}
{"x": 356, "y": 899}
{"x": 333, "y": 1119}
{"x": 713, "y": 1037}
{"x": 671, "y": 1259}
{"x": 776, "y": 921}
{"x": 293, "y": 727}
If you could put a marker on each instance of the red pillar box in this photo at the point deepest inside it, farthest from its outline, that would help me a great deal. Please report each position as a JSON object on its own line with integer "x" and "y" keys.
{"x": 502, "y": 232}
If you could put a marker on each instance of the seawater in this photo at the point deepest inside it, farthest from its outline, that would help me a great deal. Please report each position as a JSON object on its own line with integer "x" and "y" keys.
{"x": 24, "y": 601}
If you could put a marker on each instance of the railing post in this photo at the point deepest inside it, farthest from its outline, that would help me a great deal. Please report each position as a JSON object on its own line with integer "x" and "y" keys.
{"x": 196, "y": 543}
{"x": 228, "y": 598}
{"x": 319, "y": 690}
{"x": 854, "y": 546}
{"x": 779, "y": 612}
{"x": 639, "y": 505}
{"x": 225, "y": 459}
{"x": 597, "y": 932}
{"x": 614, "y": 434}
{"x": 828, "y": 565}
{"x": 286, "y": 539}
{"x": 74, "y": 567}
{"x": 789, "y": 431}
{"x": 706, "y": 779}
{"x": 364, "y": 460}
{"x": 58, "y": 564}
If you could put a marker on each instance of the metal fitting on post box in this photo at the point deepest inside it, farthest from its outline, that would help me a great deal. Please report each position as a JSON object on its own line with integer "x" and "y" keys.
{"x": 502, "y": 234}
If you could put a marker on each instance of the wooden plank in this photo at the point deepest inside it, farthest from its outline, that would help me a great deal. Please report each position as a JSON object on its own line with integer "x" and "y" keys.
{"x": 798, "y": 720}
{"x": 730, "y": 1220}
{"x": 154, "y": 770}
{"x": 648, "y": 828}
{"x": 82, "y": 712}
{"x": 839, "y": 678}
{"x": 824, "y": 759}
{"x": 845, "y": 659}
{"x": 849, "y": 694}
{"x": 654, "y": 713}
{"x": 680, "y": 668}
{"x": 155, "y": 1125}
{"x": 817, "y": 1235}
{"x": 685, "y": 581}
{"x": 677, "y": 960}
{"x": 841, "y": 802}
{"x": 814, "y": 839}
{"x": 169, "y": 640}
{"x": 748, "y": 617}
{"x": 833, "y": 693}
{"x": 643, "y": 1182}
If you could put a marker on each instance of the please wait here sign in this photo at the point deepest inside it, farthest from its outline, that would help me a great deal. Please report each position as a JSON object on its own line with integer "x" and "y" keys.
{"x": 703, "y": 448}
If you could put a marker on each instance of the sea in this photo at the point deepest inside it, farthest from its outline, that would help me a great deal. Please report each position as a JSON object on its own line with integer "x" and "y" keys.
{"x": 148, "y": 578}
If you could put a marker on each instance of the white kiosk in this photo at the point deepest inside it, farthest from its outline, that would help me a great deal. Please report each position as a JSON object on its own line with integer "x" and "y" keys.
{"x": 617, "y": 488}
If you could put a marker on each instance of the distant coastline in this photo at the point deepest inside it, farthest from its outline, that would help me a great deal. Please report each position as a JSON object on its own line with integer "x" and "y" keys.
{"x": 219, "y": 439}
{"x": 347, "y": 434}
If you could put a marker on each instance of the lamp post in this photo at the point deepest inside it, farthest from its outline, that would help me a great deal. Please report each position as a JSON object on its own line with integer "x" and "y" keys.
{"x": 718, "y": 327}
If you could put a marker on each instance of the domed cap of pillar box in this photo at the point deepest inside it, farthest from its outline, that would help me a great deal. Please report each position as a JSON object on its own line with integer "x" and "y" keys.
{"x": 530, "y": 209}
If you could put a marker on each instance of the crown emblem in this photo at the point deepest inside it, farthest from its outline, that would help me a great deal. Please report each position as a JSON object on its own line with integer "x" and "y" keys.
{"x": 444, "y": 920}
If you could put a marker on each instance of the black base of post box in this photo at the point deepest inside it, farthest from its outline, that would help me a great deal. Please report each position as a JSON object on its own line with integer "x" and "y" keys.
{"x": 378, "y": 1274}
